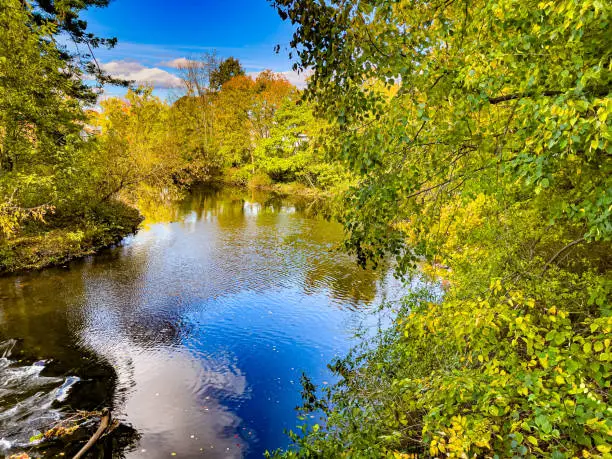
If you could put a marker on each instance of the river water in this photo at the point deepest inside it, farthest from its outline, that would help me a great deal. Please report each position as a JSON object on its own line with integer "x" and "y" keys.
{"x": 195, "y": 331}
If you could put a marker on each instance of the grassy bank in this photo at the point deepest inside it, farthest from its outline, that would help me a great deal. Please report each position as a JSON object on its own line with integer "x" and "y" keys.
{"x": 292, "y": 189}
{"x": 66, "y": 237}
{"x": 261, "y": 181}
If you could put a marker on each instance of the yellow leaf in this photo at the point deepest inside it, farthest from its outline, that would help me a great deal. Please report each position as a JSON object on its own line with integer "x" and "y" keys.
{"x": 532, "y": 440}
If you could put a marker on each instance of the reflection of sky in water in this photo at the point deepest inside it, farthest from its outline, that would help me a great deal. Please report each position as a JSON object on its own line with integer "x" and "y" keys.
{"x": 210, "y": 321}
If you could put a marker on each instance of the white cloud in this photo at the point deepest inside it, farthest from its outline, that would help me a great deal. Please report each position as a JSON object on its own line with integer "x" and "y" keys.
{"x": 299, "y": 80}
{"x": 137, "y": 72}
{"x": 177, "y": 63}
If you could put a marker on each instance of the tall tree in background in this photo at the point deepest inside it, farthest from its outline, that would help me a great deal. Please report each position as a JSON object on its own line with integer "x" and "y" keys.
{"x": 294, "y": 150}
{"x": 139, "y": 145}
{"x": 246, "y": 109}
{"x": 227, "y": 69}
{"x": 234, "y": 103}
{"x": 197, "y": 73}
{"x": 197, "y": 112}
{"x": 271, "y": 89}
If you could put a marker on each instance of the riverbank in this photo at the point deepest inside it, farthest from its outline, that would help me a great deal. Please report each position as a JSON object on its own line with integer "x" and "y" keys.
{"x": 292, "y": 189}
{"x": 262, "y": 182}
{"x": 65, "y": 238}
{"x": 61, "y": 239}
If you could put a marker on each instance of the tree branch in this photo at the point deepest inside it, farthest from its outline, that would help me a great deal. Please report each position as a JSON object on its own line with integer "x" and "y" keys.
{"x": 104, "y": 423}
{"x": 560, "y": 252}
{"x": 507, "y": 97}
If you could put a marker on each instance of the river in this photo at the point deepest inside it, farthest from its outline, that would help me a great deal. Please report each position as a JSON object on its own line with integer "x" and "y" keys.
{"x": 195, "y": 331}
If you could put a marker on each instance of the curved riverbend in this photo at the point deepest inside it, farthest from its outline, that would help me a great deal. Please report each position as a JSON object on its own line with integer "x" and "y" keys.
{"x": 197, "y": 329}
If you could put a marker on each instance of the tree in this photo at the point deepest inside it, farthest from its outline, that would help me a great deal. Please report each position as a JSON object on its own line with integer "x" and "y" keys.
{"x": 196, "y": 110}
{"x": 143, "y": 145}
{"x": 246, "y": 109}
{"x": 42, "y": 96}
{"x": 233, "y": 105}
{"x": 227, "y": 69}
{"x": 63, "y": 18}
{"x": 38, "y": 118}
{"x": 194, "y": 122}
{"x": 197, "y": 74}
{"x": 480, "y": 133}
{"x": 271, "y": 89}
{"x": 293, "y": 151}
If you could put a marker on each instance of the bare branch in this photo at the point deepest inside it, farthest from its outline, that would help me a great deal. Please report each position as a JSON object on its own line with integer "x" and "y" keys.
{"x": 560, "y": 252}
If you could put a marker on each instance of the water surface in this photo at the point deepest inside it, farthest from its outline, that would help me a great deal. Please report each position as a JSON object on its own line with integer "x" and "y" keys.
{"x": 195, "y": 331}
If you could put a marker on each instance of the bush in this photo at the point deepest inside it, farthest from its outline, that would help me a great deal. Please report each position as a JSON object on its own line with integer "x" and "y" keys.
{"x": 260, "y": 180}
{"x": 238, "y": 176}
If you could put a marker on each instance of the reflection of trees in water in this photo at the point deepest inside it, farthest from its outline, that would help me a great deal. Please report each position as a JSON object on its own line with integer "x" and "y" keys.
{"x": 268, "y": 231}
{"x": 327, "y": 268}
{"x": 156, "y": 208}
{"x": 37, "y": 310}
{"x": 225, "y": 203}
{"x": 277, "y": 242}
{"x": 346, "y": 282}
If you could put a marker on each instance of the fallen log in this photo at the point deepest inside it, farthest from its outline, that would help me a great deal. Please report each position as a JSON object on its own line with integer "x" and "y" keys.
{"x": 104, "y": 423}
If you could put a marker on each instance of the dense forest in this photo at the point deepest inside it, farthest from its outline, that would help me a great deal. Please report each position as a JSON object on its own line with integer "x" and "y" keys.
{"x": 468, "y": 141}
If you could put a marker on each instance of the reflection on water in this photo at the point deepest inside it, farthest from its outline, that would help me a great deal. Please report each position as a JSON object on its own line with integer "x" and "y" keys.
{"x": 197, "y": 329}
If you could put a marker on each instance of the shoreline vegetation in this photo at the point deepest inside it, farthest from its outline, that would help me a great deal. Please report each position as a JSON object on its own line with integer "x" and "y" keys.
{"x": 54, "y": 243}
{"x": 479, "y": 133}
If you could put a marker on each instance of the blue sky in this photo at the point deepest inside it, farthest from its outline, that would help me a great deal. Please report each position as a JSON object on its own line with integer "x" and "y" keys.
{"x": 153, "y": 34}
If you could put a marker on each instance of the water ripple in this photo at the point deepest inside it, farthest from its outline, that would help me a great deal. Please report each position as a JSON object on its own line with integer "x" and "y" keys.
{"x": 26, "y": 399}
